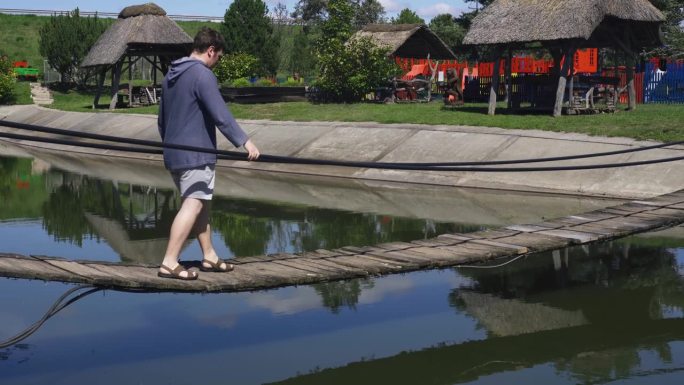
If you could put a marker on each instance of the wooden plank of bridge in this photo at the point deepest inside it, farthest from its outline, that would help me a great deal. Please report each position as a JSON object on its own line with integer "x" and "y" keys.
{"x": 268, "y": 271}
{"x": 372, "y": 265}
{"x": 12, "y": 265}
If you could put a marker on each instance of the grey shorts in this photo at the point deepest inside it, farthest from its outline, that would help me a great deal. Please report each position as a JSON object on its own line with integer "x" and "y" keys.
{"x": 195, "y": 183}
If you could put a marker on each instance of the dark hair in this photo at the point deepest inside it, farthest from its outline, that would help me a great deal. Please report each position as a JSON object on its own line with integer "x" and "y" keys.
{"x": 207, "y": 37}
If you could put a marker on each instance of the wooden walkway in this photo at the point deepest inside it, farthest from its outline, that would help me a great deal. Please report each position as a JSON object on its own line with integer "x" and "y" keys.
{"x": 270, "y": 271}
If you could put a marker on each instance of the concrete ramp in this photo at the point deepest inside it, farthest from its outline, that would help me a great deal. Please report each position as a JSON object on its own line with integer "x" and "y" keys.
{"x": 405, "y": 143}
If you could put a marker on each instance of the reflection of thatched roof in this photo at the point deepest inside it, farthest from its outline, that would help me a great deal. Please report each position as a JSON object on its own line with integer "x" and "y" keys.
{"x": 140, "y": 29}
{"x": 508, "y": 317}
{"x": 519, "y": 21}
{"x": 146, "y": 251}
{"x": 407, "y": 40}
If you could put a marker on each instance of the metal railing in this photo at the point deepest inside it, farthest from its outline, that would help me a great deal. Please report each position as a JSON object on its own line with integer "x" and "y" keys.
{"x": 113, "y": 15}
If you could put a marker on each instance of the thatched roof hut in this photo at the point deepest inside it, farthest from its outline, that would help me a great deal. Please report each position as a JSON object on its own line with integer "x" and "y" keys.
{"x": 140, "y": 30}
{"x": 592, "y": 21}
{"x": 407, "y": 40}
{"x": 564, "y": 26}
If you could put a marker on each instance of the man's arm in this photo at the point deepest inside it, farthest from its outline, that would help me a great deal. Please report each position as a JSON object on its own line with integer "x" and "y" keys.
{"x": 160, "y": 120}
{"x": 252, "y": 150}
{"x": 207, "y": 89}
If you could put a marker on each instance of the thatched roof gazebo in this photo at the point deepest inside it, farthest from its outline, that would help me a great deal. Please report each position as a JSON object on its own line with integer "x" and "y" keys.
{"x": 407, "y": 40}
{"x": 564, "y": 26}
{"x": 141, "y": 31}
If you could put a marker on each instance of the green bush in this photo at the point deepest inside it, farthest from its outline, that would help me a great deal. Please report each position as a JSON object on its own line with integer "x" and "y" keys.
{"x": 66, "y": 39}
{"x": 247, "y": 27}
{"x": 264, "y": 83}
{"x": 353, "y": 70}
{"x": 235, "y": 66}
{"x": 241, "y": 82}
{"x": 6, "y": 81}
{"x": 348, "y": 68}
{"x": 291, "y": 83}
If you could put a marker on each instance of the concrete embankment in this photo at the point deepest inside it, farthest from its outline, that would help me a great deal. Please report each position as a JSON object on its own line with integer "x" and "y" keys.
{"x": 405, "y": 143}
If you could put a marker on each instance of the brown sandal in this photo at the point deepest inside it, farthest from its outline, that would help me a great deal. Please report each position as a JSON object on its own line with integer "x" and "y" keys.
{"x": 216, "y": 266}
{"x": 176, "y": 273}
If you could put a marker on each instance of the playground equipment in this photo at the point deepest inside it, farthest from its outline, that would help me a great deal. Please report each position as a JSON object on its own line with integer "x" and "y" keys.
{"x": 24, "y": 72}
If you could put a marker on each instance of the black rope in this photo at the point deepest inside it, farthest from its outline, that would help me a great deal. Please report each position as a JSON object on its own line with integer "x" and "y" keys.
{"x": 51, "y": 130}
{"x": 56, "y": 307}
{"x": 233, "y": 155}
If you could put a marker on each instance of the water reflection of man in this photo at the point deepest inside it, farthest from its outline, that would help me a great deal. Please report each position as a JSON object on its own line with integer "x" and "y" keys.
{"x": 190, "y": 110}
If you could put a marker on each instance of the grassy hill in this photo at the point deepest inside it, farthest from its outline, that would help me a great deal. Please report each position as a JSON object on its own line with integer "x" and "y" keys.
{"x": 19, "y": 36}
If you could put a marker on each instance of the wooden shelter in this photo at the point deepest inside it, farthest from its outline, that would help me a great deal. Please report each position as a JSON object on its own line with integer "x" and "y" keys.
{"x": 407, "y": 40}
{"x": 562, "y": 27}
{"x": 141, "y": 32}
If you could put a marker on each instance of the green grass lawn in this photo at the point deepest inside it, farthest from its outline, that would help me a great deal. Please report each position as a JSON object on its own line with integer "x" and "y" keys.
{"x": 19, "y": 38}
{"x": 82, "y": 101}
{"x": 22, "y": 93}
{"x": 649, "y": 121}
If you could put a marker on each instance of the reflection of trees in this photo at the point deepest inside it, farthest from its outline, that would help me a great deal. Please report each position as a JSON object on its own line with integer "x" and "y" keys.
{"x": 617, "y": 286}
{"x": 620, "y": 287}
{"x": 245, "y": 235}
{"x": 342, "y": 293}
{"x": 472, "y": 360}
{"x": 63, "y": 215}
{"x": 17, "y": 349}
{"x": 250, "y": 227}
{"x": 332, "y": 229}
{"x": 22, "y": 193}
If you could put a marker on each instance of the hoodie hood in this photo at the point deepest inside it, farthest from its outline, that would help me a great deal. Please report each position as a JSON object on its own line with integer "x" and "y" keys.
{"x": 179, "y": 67}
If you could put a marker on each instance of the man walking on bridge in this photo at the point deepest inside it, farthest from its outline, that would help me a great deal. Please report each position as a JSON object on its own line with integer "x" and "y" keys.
{"x": 191, "y": 109}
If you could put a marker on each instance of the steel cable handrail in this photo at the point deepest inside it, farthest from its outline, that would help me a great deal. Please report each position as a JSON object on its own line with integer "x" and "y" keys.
{"x": 235, "y": 155}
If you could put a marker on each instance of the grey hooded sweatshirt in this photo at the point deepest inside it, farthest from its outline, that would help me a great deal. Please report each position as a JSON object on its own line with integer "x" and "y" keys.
{"x": 191, "y": 109}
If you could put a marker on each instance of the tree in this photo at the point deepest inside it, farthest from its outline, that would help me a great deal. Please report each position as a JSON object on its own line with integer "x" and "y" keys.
{"x": 348, "y": 69}
{"x": 407, "y": 16}
{"x": 368, "y": 12}
{"x": 311, "y": 10}
{"x": 66, "y": 39}
{"x": 236, "y": 65}
{"x": 6, "y": 80}
{"x": 672, "y": 28}
{"x": 301, "y": 59}
{"x": 247, "y": 28}
{"x": 446, "y": 28}
{"x": 466, "y": 18}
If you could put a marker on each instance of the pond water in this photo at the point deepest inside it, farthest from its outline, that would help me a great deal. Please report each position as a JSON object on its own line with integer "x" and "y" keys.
{"x": 604, "y": 313}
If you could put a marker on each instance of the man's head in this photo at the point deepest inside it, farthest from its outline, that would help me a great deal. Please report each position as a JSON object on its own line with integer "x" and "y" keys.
{"x": 208, "y": 46}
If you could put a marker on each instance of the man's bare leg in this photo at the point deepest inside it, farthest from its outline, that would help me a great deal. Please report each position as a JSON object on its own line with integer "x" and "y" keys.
{"x": 203, "y": 230}
{"x": 183, "y": 223}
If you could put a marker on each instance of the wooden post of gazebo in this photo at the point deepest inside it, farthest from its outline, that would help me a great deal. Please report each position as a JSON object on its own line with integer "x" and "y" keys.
{"x": 100, "y": 85}
{"x": 568, "y": 57}
{"x": 509, "y": 81}
{"x": 495, "y": 82}
{"x": 130, "y": 81}
{"x": 116, "y": 78}
{"x": 631, "y": 90}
